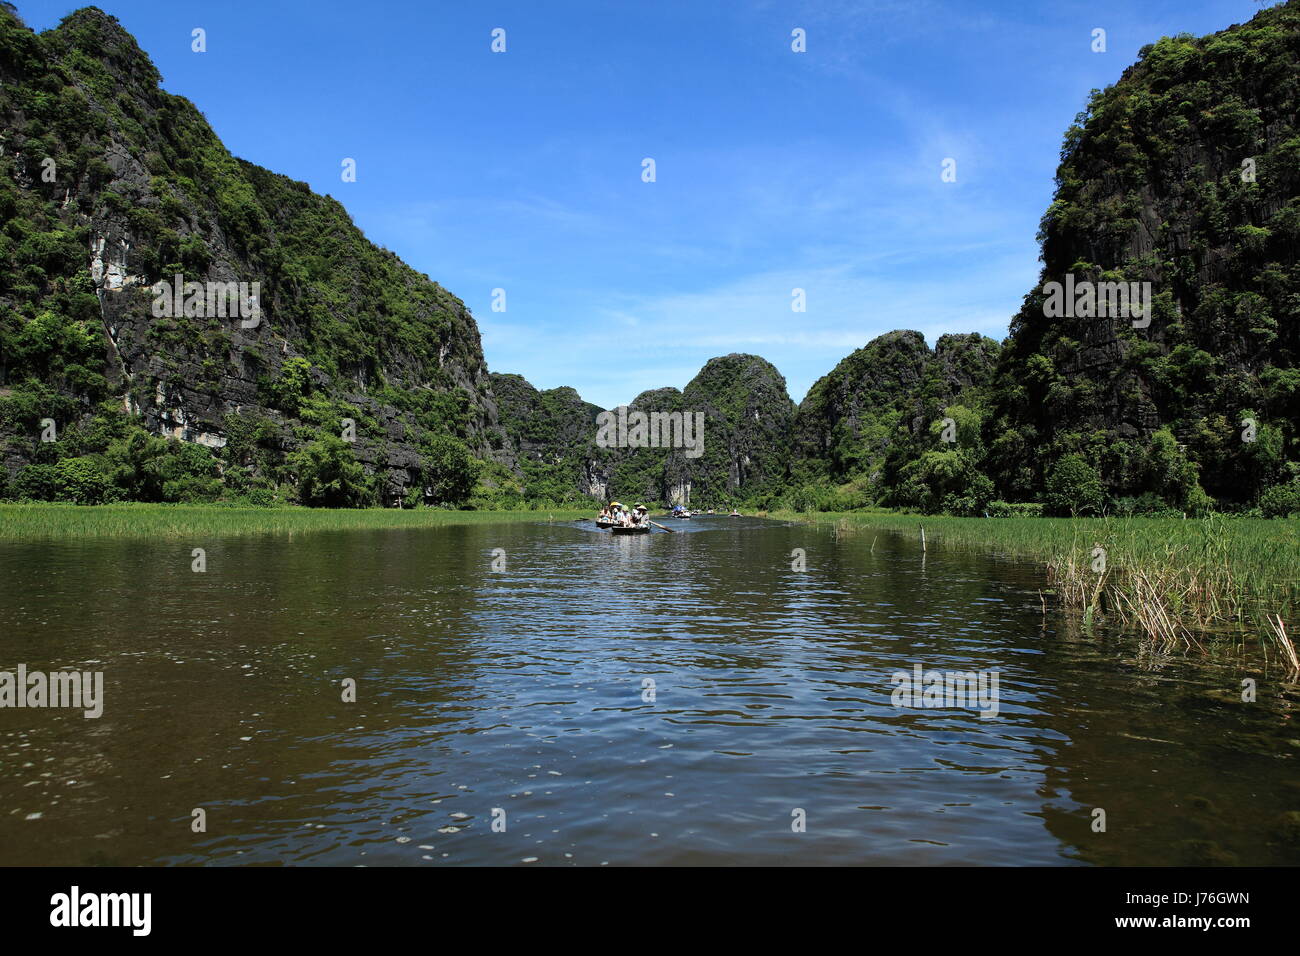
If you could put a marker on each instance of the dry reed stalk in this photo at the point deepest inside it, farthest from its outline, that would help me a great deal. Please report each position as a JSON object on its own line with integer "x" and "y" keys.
{"x": 1283, "y": 642}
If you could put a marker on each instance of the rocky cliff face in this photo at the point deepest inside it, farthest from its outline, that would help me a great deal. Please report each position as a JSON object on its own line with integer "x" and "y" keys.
{"x": 1180, "y": 185}
{"x": 1185, "y": 176}
{"x": 748, "y": 423}
{"x": 883, "y": 396}
{"x": 737, "y": 414}
{"x": 112, "y": 184}
{"x": 552, "y": 437}
{"x": 726, "y": 437}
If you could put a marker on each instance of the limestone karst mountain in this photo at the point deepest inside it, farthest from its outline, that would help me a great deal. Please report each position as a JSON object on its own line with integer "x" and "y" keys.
{"x": 1184, "y": 175}
{"x": 356, "y": 379}
{"x": 109, "y": 185}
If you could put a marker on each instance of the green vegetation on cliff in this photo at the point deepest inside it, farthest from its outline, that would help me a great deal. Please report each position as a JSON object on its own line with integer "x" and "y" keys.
{"x": 364, "y": 381}
{"x": 109, "y": 185}
{"x": 896, "y": 423}
{"x": 1184, "y": 174}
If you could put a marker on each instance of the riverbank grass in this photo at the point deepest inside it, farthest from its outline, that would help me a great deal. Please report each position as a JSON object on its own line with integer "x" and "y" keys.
{"x": 26, "y": 522}
{"x": 1174, "y": 578}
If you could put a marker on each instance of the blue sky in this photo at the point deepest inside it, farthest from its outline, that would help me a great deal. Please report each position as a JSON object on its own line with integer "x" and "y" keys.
{"x": 775, "y": 170}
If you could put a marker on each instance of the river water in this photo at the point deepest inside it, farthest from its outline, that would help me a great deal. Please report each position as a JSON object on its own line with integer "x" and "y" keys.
{"x": 685, "y": 698}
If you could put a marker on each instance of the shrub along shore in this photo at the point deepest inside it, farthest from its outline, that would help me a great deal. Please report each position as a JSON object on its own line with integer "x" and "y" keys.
{"x": 1177, "y": 580}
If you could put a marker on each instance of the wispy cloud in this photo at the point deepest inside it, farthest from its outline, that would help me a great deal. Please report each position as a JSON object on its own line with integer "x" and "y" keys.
{"x": 776, "y": 171}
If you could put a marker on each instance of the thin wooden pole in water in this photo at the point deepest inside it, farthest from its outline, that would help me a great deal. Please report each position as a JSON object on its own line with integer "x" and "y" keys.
{"x": 922, "y": 527}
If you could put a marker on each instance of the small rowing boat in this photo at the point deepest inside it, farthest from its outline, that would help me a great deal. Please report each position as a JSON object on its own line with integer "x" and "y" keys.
{"x": 603, "y": 524}
{"x": 641, "y": 529}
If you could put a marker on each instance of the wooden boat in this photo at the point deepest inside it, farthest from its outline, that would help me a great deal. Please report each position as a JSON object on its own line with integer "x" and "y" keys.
{"x": 644, "y": 529}
{"x": 603, "y": 524}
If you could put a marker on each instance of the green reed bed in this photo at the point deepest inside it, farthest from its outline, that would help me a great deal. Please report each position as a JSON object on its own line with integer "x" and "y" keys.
{"x": 19, "y": 522}
{"x": 1174, "y": 578}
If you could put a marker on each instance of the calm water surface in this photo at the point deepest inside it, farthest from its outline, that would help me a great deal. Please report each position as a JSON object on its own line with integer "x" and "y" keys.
{"x": 523, "y": 690}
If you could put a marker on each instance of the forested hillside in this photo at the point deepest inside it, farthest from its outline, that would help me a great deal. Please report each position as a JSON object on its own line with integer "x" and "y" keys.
{"x": 108, "y": 185}
{"x": 361, "y": 381}
{"x": 1185, "y": 174}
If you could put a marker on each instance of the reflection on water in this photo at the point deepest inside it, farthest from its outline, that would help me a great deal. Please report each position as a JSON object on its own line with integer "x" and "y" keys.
{"x": 526, "y": 691}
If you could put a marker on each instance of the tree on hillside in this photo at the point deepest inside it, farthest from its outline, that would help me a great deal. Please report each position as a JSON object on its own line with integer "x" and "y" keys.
{"x": 1073, "y": 487}
{"x": 449, "y": 471}
{"x": 329, "y": 475}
